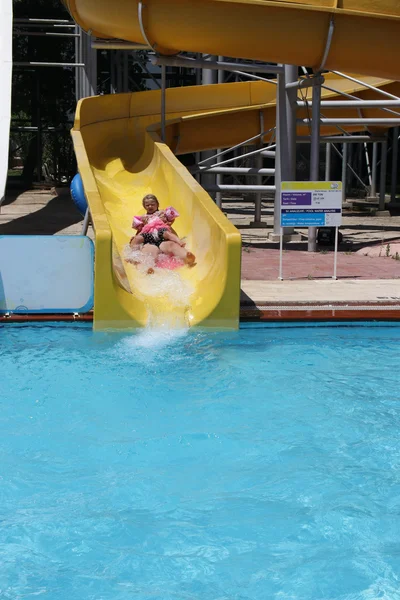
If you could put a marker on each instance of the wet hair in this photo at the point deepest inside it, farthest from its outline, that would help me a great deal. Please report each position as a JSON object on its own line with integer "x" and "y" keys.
{"x": 150, "y": 197}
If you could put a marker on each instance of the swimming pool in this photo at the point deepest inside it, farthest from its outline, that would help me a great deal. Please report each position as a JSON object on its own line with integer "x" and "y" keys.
{"x": 251, "y": 465}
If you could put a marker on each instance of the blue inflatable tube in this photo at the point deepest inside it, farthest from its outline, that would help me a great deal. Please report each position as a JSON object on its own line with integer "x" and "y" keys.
{"x": 78, "y": 194}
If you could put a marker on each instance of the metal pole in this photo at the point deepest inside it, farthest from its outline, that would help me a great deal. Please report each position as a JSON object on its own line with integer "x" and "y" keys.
{"x": 395, "y": 153}
{"x": 211, "y": 63}
{"x": 208, "y": 77}
{"x": 47, "y": 64}
{"x": 219, "y": 178}
{"x": 259, "y": 164}
{"x": 228, "y": 170}
{"x": 349, "y": 166}
{"x": 344, "y": 170}
{"x": 368, "y": 164}
{"x": 244, "y": 143}
{"x": 335, "y": 253}
{"x": 289, "y": 169}
{"x": 78, "y": 94}
{"x": 112, "y": 72}
{"x": 314, "y": 160}
{"x": 367, "y": 85}
{"x": 280, "y": 144}
{"x": 338, "y": 139}
{"x": 382, "y": 184}
{"x": 288, "y": 166}
{"x": 86, "y": 221}
{"x": 328, "y": 162}
{"x": 39, "y": 130}
{"x": 356, "y": 121}
{"x": 374, "y": 169}
{"x": 89, "y": 73}
{"x": 352, "y": 103}
{"x": 163, "y": 88}
{"x": 239, "y": 188}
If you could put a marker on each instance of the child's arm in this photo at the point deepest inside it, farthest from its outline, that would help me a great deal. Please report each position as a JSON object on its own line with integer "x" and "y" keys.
{"x": 138, "y": 223}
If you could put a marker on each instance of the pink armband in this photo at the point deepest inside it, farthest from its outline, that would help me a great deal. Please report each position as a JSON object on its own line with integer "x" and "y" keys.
{"x": 137, "y": 222}
{"x": 171, "y": 213}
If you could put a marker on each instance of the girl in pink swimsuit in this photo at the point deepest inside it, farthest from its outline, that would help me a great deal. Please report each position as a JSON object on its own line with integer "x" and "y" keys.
{"x": 155, "y": 234}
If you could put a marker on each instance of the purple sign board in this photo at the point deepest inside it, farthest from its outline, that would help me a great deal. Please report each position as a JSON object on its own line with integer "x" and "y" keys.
{"x": 296, "y": 198}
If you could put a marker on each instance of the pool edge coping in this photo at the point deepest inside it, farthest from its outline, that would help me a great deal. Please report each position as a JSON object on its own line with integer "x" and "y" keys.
{"x": 258, "y": 312}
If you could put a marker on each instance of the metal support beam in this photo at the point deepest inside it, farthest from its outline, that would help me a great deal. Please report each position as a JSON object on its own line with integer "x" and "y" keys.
{"x": 305, "y": 83}
{"x": 234, "y": 170}
{"x": 219, "y": 179}
{"x": 289, "y": 167}
{"x": 209, "y": 77}
{"x": 258, "y": 199}
{"x": 368, "y": 165}
{"x": 344, "y": 171}
{"x": 382, "y": 184}
{"x": 314, "y": 160}
{"x": 47, "y": 64}
{"x": 89, "y": 74}
{"x": 367, "y": 85}
{"x": 239, "y": 188}
{"x": 357, "y": 121}
{"x": 374, "y": 169}
{"x": 288, "y": 129}
{"x": 280, "y": 139}
{"x": 212, "y": 64}
{"x": 163, "y": 100}
{"x": 86, "y": 222}
{"x": 43, "y": 21}
{"x": 244, "y": 143}
{"x": 349, "y": 165}
{"x": 259, "y": 164}
{"x": 328, "y": 162}
{"x": 113, "y": 45}
{"x": 352, "y": 103}
{"x": 43, "y": 34}
{"x": 395, "y": 153}
{"x": 239, "y": 157}
{"x": 268, "y": 153}
{"x": 349, "y": 139}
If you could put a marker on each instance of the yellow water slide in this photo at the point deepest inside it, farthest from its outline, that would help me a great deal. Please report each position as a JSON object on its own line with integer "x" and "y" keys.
{"x": 117, "y": 138}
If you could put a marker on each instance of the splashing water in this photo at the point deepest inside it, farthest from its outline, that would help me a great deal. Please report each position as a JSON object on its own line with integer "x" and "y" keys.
{"x": 157, "y": 340}
{"x": 165, "y": 292}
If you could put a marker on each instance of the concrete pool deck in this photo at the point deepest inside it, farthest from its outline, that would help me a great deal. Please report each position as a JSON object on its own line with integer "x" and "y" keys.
{"x": 367, "y": 286}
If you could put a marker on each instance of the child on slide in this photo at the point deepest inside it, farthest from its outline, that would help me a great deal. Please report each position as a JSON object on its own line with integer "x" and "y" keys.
{"x": 154, "y": 228}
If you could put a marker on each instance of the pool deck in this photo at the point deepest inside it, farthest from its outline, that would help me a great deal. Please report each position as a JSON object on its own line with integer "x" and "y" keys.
{"x": 368, "y": 287}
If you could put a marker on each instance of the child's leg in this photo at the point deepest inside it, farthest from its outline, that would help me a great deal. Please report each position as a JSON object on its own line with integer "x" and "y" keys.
{"x": 137, "y": 240}
{"x": 176, "y": 250}
{"x": 171, "y": 237}
{"x": 151, "y": 253}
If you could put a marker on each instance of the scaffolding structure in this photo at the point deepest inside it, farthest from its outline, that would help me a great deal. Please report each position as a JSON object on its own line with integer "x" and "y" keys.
{"x": 103, "y": 66}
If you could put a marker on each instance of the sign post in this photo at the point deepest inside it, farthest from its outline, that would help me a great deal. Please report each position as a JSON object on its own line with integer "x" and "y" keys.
{"x": 311, "y": 204}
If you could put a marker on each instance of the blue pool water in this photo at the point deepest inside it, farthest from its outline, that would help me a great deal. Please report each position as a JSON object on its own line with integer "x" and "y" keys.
{"x": 252, "y": 465}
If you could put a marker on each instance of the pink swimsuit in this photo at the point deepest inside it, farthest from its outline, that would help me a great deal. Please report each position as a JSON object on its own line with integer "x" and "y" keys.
{"x": 154, "y": 223}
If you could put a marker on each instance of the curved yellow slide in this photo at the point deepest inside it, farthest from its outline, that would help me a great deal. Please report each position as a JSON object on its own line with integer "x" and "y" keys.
{"x": 121, "y": 158}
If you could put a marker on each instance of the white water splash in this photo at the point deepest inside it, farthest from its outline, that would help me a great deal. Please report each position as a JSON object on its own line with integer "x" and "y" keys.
{"x": 166, "y": 293}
